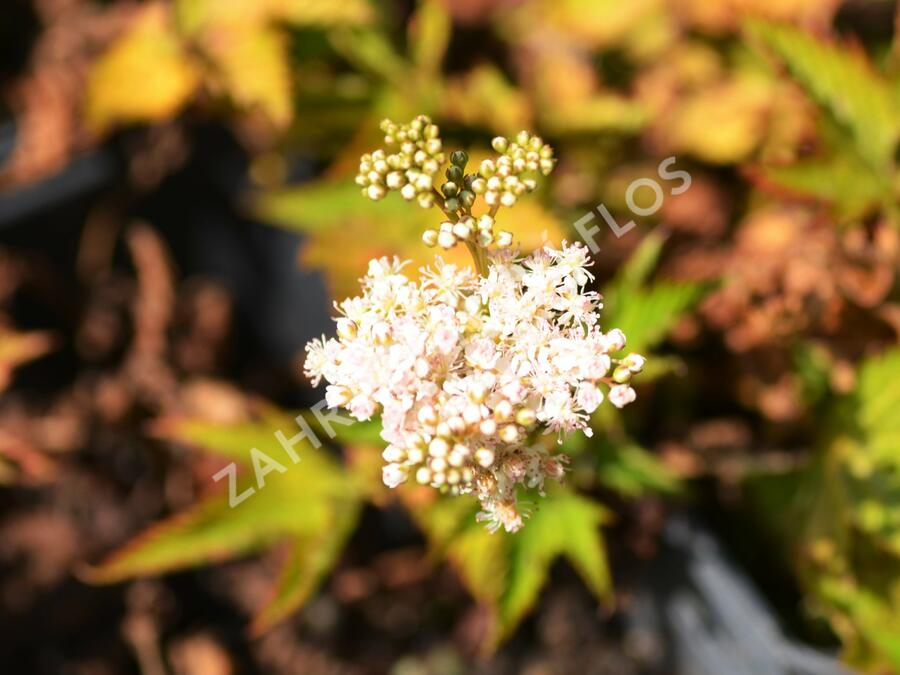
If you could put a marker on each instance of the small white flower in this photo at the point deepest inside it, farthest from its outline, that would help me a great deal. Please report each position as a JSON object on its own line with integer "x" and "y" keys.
{"x": 394, "y": 475}
{"x": 588, "y": 397}
{"x": 621, "y": 395}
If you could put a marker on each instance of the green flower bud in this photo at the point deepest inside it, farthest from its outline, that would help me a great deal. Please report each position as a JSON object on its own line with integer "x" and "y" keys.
{"x": 500, "y": 144}
{"x": 451, "y": 204}
{"x": 479, "y": 185}
{"x": 467, "y": 198}
{"x": 450, "y": 189}
{"x": 459, "y": 158}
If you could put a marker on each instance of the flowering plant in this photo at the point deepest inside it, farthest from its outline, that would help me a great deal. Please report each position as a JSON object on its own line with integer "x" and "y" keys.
{"x": 468, "y": 367}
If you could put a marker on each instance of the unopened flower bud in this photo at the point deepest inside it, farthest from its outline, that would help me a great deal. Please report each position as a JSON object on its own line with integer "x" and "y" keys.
{"x": 438, "y": 447}
{"x": 427, "y": 415}
{"x": 393, "y": 454}
{"x": 499, "y": 144}
{"x": 393, "y": 475}
{"x": 459, "y": 158}
{"x": 462, "y": 231}
{"x": 504, "y": 239}
{"x": 526, "y": 417}
{"x": 634, "y": 362}
{"x": 503, "y": 411}
{"x": 430, "y": 237}
{"x": 446, "y": 240}
{"x": 615, "y": 340}
{"x": 486, "y": 222}
{"x": 484, "y": 457}
{"x": 621, "y": 395}
{"x": 395, "y": 180}
{"x": 509, "y": 433}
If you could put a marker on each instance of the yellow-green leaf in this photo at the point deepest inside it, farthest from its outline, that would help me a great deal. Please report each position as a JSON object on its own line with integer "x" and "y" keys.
{"x": 145, "y": 76}
{"x": 311, "y": 505}
{"x": 506, "y": 572}
{"x": 843, "y": 81}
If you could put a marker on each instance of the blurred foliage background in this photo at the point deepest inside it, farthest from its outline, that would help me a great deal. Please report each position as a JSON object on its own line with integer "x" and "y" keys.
{"x": 766, "y": 294}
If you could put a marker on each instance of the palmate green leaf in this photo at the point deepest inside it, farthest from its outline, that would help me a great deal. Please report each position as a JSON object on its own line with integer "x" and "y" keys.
{"x": 505, "y": 572}
{"x": 310, "y": 557}
{"x": 632, "y": 471}
{"x": 844, "y": 182}
{"x": 310, "y": 506}
{"x": 843, "y": 81}
{"x": 646, "y": 313}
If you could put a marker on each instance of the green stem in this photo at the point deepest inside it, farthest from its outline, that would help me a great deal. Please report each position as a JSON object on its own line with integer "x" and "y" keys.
{"x": 479, "y": 257}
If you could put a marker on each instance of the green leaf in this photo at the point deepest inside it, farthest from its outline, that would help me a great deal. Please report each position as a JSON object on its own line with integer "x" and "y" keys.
{"x": 310, "y": 559}
{"x": 634, "y": 472}
{"x": 318, "y": 206}
{"x": 813, "y": 366}
{"x": 878, "y": 393}
{"x": 370, "y": 51}
{"x": 642, "y": 262}
{"x": 646, "y": 315}
{"x": 146, "y": 75}
{"x": 872, "y": 615}
{"x": 430, "y": 29}
{"x": 843, "y": 81}
{"x": 843, "y": 182}
{"x": 311, "y": 505}
{"x": 506, "y": 572}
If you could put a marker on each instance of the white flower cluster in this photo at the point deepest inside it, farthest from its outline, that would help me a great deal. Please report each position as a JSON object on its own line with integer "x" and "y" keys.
{"x": 411, "y": 169}
{"x": 467, "y": 370}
